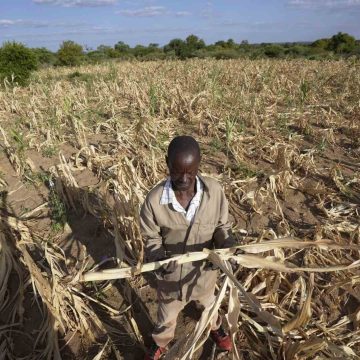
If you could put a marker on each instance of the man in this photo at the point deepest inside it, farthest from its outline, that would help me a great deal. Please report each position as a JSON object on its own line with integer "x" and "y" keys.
{"x": 185, "y": 213}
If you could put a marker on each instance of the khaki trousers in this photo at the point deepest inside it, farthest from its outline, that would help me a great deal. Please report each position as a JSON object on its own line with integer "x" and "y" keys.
{"x": 168, "y": 311}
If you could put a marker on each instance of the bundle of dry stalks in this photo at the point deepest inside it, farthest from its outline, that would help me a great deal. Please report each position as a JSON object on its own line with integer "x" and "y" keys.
{"x": 62, "y": 307}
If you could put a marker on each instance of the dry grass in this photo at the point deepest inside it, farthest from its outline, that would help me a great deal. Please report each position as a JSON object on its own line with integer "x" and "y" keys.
{"x": 281, "y": 136}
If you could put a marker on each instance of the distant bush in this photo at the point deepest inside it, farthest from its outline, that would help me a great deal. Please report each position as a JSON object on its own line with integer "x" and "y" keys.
{"x": 297, "y": 51}
{"x": 153, "y": 56}
{"x": 70, "y": 54}
{"x": 225, "y": 54}
{"x": 273, "y": 51}
{"x": 44, "y": 56}
{"x": 78, "y": 76}
{"x": 321, "y": 44}
{"x": 342, "y": 43}
{"x": 96, "y": 56}
{"x": 16, "y": 62}
{"x": 175, "y": 46}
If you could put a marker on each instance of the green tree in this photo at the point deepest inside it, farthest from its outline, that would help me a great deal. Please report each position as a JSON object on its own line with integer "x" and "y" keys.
{"x": 321, "y": 44}
{"x": 154, "y": 46}
{"x": 103, "y": 48}
{"x": 16, "y": 62}
{"x": 185, "y": 49}
{"x": 194, "y": 43}
{"x": 44, "y": 56}
{"x": 140, "y": 51}
{"x": 220, "y": 43}
{"x": 122, "y": 48}
{"x": 231, "y": 43}
{"x": 108, "y": 51}
{"x": 176, "y": 45}
{"x": 342, "y": 43}
{"x": 70, "y": 54}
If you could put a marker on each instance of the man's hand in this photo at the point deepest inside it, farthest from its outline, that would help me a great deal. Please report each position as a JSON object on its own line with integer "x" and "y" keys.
{"x": 166, "y": 269}
{"x": 170, "y": 267}
{"x": 234, "y": 265}
{"x": 210, "y": 266}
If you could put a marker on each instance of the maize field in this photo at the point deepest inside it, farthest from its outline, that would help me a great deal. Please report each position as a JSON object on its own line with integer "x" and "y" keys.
{"x": 80, "y": 149}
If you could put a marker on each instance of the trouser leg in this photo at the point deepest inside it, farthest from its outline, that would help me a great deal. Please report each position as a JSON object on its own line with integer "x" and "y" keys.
{"x": 208, "y": 301}
{"x": 166, "y": 321}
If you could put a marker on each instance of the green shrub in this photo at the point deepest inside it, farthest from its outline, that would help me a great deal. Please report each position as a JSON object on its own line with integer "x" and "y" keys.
{"x": 70, "y": 54}
{"x": 273, "y": 51}
{"x": 321, "y": 44}
{"x": 153, "y": 56}
{"x": 342, "y": 43}
{"x": 226, "y": 54}
{"x": 16, "y": 62}
{"x": 44, "y": 56}
{"x": 297, "y": 51}
{"x": 78, "y": 76}
{"x": 94, "y": 57}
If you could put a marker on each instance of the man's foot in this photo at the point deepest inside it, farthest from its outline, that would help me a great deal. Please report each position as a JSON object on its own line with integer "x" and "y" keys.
{"x": 154, "y": 352}
{"x": 221, "y": 339}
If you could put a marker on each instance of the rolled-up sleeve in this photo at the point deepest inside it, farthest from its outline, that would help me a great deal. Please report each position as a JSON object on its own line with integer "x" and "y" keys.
{"x": 150, "y": 233}
{"x": 223, "y": 237}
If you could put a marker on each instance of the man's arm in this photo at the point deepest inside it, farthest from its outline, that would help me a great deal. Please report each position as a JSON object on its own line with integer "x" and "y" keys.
{"x": 223, "y": 237}
{"x": 150, "y": 231}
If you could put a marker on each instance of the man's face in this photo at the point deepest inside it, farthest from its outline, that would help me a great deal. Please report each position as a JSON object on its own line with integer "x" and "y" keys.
{"x": 183, "y": 170}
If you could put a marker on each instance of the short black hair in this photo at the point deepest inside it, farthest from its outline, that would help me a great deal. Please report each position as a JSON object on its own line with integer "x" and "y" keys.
{"x": 183, "y": 145}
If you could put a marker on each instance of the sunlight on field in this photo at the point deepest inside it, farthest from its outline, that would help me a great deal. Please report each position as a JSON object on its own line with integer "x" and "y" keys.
{"x": 81, "y": 148}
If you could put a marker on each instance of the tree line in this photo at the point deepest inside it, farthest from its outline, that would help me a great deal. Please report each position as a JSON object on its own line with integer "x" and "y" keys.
{"x": 18, "y": 60}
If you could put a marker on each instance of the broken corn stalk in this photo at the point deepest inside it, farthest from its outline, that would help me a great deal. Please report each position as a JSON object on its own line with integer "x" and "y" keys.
{"x": 245, "y": 260}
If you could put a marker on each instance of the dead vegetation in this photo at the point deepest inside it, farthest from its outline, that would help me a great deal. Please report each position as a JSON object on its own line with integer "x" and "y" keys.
{"x": 79, "y": 155}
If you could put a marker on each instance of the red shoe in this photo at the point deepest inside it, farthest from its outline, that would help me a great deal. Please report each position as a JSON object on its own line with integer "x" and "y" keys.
{"x": 154, "y": 352}
{"x": 221, "y": 339}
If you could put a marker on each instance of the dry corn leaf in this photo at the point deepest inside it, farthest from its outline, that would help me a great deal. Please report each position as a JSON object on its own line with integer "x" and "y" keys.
{"x": 100, "y": 354}
{"x": 304, "y": 315}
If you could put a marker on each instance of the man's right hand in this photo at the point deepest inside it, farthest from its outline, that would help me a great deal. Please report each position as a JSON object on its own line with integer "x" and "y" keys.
{"x": 170, "y": 267}
{"x": 166, "y": 269}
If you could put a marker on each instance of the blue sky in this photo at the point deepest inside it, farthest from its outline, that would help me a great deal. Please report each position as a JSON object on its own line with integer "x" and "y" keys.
{"x": 47, "y": 23}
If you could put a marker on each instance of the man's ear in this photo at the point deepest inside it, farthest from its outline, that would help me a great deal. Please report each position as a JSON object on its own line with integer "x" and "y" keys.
{"x": 167, "y": 160}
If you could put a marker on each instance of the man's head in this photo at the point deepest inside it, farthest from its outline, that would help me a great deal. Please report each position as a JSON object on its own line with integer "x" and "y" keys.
{"x": 183, "y": 160}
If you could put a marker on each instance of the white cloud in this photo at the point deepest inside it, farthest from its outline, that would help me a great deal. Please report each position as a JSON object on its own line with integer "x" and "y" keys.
{"x": 77, "y": 3}
{"x": 147, "y": 11}
{"x": 325, "y": 4}
{"x": 5, "y": 23}
{"x": 151, "y": 11}
{"x": 182, "y": 13}
{"x": 21, "y": 22}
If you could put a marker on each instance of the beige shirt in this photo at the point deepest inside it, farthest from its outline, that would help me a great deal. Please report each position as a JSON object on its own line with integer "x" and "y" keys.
{"x": 167, "y": 233}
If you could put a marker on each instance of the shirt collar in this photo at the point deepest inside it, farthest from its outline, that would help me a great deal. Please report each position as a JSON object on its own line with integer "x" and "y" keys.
{"x": 168, "y": 194}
